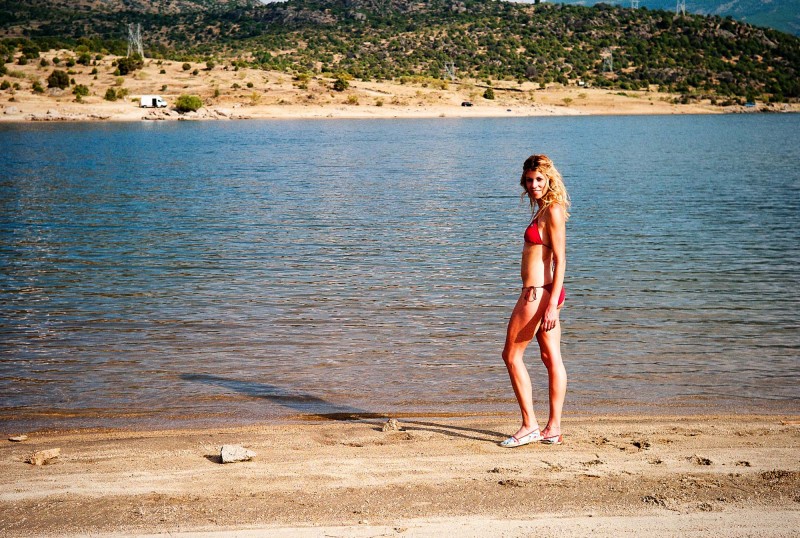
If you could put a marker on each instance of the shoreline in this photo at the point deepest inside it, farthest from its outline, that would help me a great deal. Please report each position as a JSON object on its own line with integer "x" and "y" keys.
{"x": 237, "y": 94}
{"x": 710, "y": 475}
{"x": 19, "y": 421}
{"x": 98, "y": 114}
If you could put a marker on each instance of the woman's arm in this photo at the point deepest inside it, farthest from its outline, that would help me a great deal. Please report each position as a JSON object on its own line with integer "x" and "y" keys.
{"x": 557, "y": 229}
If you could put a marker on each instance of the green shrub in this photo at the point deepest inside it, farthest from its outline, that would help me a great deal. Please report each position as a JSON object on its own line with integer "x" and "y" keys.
{"x": 111, "y": 95}
{"x": 210, "y": 65}
{"x": 94, "y": 71}
{"x": 188, "y": 103}
{"x": 81, "y": 90}
{"x": 85, "y": 58}
{"x": 340, "y": 84}
{"x": 37, "y": 87}
{"x": 196, "y": 72}
{"x": 5, "y": 85}
{"x": 186, "y": 67}
{"x": 43, "y": 62}
{"x": 23, "y": 60}
{"x": 129, "y": 64}
{"x": 31, "y": 51}
{"x": 3, "y": 70}
{"x": 56, "y": 60}
{"x": 58, "y": 79}
{"x": 488, "y": 94}
{"x": 70, "y": 62}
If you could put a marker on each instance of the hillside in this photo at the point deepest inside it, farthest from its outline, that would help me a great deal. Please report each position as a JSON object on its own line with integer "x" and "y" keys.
{"x": 601, "y": 46}
{"x": 783, "y": 15}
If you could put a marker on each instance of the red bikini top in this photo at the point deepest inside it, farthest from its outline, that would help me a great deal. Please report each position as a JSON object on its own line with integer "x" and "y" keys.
{"x": 532, "y": 234}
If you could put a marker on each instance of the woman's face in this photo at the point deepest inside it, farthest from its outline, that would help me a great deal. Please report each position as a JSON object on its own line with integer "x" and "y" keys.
{"x": 535, "y": 184}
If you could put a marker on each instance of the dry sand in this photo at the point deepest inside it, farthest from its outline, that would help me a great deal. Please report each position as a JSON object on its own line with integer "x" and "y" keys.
{"x": 265, "y": 94}
{"x": 715, "y": 476}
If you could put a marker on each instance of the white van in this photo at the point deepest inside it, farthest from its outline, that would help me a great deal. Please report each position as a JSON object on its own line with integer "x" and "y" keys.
{"x": 152, "y": 101}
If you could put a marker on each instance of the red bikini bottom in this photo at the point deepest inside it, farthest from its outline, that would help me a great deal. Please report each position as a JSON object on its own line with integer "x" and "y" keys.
{"x": 530, "y": 292}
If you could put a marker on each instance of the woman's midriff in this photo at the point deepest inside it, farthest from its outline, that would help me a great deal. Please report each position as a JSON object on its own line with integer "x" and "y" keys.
{"x": 534, "y": 276}
{"x": 533, "y": 270}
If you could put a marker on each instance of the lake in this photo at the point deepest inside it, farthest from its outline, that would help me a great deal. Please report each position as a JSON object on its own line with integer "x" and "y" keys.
{"x": 187, "y": 274}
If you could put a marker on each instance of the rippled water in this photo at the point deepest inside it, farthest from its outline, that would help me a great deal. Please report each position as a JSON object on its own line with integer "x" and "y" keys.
{"x": 187, "y": 273}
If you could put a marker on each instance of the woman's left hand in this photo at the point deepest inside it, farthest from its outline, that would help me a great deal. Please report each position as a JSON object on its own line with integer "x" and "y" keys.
{"x": 550, "y": 319}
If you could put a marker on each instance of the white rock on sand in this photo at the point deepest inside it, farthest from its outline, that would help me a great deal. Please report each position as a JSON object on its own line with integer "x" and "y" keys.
{"x": 234, "y": 453}
{"x": 43, "y": 457}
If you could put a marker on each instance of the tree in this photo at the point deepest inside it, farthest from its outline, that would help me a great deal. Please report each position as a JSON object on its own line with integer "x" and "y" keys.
{"x": 130, "y": 64}
{"x": 58, "y": 79}
{"x": 188, "y": 103}
{"x": 340, "y": 84}
{"x": 488, "y": 94}
{"x": 80, "y": 91}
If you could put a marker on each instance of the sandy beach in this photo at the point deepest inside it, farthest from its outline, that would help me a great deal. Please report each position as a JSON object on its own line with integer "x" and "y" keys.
{"x": 613, "y": 476}
{"x": 244, "y": 93}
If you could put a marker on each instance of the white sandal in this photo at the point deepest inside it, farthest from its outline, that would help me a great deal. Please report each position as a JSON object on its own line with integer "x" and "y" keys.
{"x": 513, "y": 442}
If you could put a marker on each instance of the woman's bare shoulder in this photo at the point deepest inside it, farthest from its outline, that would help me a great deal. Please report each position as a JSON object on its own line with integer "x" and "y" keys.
{"x": 556, "y": 214}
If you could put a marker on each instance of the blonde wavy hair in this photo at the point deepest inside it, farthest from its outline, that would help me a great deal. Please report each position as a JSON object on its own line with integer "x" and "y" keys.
{"x": 556, "y": 190}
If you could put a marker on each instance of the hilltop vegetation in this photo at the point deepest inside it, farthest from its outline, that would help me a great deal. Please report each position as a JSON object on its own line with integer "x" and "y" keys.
{"x": 783, "y": 15}
{"x": 390, "y": 39}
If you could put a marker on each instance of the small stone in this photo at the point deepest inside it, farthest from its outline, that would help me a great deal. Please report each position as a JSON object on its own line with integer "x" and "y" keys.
{"x": 44, "y": 457}
{"x": 391, "y": 425}
{"x": 700, "y": 460}
{"x": 18, "y": 438}
{"x": 657, "y": 500}
{"x": 234, "y": 453}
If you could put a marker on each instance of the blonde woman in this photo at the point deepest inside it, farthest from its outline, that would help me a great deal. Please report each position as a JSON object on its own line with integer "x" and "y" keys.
{"x": 537, "y": 309}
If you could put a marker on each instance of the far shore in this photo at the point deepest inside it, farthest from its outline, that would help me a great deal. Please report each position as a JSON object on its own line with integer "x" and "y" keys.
{"x": 228, "y": 93}
{"x": 718, "y": 476}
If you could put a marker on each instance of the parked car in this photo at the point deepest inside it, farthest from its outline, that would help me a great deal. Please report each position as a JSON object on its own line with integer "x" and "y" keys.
{"x": 466, "y": 103}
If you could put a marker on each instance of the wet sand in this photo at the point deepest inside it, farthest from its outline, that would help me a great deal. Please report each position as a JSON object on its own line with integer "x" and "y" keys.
{"x": 663, "y": 476}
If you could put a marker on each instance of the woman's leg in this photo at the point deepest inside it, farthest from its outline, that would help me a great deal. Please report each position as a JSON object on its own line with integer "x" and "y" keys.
{"x": 550, "y": 348}
{"x": 522, "y": 326}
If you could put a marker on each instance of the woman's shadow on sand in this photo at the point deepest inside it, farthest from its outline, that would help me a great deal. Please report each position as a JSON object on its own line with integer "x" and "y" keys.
{"x": 312, "y": 406}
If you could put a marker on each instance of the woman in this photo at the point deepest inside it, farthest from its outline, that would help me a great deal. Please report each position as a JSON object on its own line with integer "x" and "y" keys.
{"x": 538, "y": 306}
